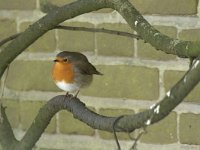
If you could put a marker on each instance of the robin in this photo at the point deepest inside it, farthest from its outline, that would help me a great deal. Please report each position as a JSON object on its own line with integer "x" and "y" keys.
{"x": 72, "y": 71}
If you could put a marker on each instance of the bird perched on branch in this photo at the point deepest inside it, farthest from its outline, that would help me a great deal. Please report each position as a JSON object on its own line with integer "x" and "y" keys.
{"x": 72, "y": 71}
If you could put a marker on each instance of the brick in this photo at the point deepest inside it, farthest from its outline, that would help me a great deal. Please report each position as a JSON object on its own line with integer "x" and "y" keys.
{"x": 146, "y": 51}
{"x": 114, "y": 113}
{"x": 7, "y": 28}
{"x": 190, "y": 34}
{"x": 167, "y": 7}
{"x": 189, "y": 128}
{"x": 18, "y": 4}
{"x": 28, "y": 112}
{"x": 69, "y": 125}
{"x": 114, "y": 45}
{"x": 12, "y": 111}
{"x": 60, "y": 2}
{"x": 46, "y": 43}
{"x": 170, "y": 79}
{"x": 31, "y": 75}
{"x": 51, "y": 128}
{"x": 163, "y": 132}
{"x": 125, "y": 82}
{"x": 104, "y": 10}
{"x": 48, "y": 149}
{"x": 82, "y": 41}
{"x": 64, "y": 2}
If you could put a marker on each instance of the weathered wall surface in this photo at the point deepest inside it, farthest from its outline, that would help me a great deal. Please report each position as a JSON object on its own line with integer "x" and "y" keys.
{"x": 135, "y": 75}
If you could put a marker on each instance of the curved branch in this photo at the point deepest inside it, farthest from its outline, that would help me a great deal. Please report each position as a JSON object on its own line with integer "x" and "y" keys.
{"x": 46, "y": 6}
{"x": 7, "y": 138}
{"x": 48, "y": 22}
{"x": 56, "y": 104}
{"x": 127, "y": 123}
{"x": 158, "y": 40}
{"x": 147, "y": 32}
{"x": 124, "y": 7}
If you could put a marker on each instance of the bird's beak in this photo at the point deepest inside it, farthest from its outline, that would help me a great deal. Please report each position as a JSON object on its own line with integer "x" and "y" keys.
{"x": 56, "y": 60}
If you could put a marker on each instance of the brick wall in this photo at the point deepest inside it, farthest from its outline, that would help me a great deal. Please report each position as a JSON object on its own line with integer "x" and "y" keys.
{"x": 141, "y": 75}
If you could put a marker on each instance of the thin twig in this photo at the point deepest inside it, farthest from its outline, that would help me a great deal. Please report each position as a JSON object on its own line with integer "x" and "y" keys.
{"x": 114, "y": 132}
{"x": 120, "y": 33}
{"x": 2, "y": 42}
{"x": 7, "y": 138}
{"x": 134, "y": 146}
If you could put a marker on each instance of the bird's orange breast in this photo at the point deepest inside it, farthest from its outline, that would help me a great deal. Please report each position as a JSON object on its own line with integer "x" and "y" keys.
{"x": 63, "y": 72}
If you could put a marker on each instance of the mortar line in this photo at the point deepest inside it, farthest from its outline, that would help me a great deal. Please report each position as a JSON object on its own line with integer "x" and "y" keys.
{"x": 18, "y": 23}
{"x": 99, "y": 102}
{"x": 96, "y": 52}
{"x": 38, "y": 4}
{"x": 182, "y": 64}
{"x": 161, "y": 84}
{"x": 56, "y": 39}
{"x": 135, "y": 55}
{"x": 178, "y": 127}
{"x": 50, "y": 140}
{"x": 57, "y": 123}
{"x": 96, "y": 133}
{"x": 198, "y": 9}
{"x": 97, "y": 18}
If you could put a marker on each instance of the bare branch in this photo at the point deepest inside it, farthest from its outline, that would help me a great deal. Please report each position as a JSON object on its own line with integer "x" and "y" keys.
{"x": 2, "y": 42}
{"x": 147, "y": 32}
{"x": 129, "y": 13}
{"x": 7, "y": 138}
{"x": 134, "y": 146}
{"x": 158, "y": 40}
{"x": 46, "y": 6}
{"x": 102, "y": 30}
{"x": 56, "y": 104}
{"x": 114, "y": 132}
{"x": 126, "y": 123}
{"x": 48, "y": 22}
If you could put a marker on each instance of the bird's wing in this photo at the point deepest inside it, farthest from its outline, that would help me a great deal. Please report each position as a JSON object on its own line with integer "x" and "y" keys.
{"x": 87, "y": 68}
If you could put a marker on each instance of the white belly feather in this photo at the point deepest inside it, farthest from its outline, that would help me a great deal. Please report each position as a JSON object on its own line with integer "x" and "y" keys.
{"x": 67, "y": 87}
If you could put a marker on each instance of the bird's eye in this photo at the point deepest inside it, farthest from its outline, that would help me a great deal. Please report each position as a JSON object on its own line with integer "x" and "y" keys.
{"x": 65, "y": 59}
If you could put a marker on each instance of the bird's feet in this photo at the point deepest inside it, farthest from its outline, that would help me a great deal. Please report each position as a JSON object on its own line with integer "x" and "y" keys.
{"x": 69, "y": 95}
{"x": 72, "y": 96}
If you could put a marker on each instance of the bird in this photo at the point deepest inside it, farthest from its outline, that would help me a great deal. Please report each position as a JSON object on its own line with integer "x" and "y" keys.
{"x": 72, "y": 71}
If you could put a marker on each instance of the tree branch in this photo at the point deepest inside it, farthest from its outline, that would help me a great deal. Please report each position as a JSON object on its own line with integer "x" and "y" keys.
{"x": 12, "y": 37}
{"x": 7, "y": 138}
{"x": 158, "y": 40}
{"x": 124, "y": 7}
{"x": 127, "y": 123}
{"x": 46, "y": 6}
{"x": 56, "y": 104}
{"x": 48, "y": 22}
{"x": 137, "y": 22}
{"x": 102, "y": 30}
